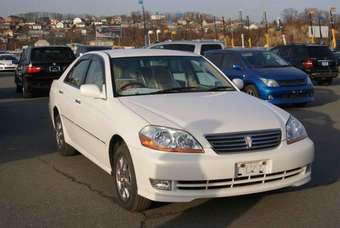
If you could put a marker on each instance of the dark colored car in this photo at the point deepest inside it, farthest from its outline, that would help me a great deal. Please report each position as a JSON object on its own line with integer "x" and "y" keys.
{"x": 316, "y": 60}
{"x": 39, "y": 66}
{"x": 82, "y": 49}
{"x": 265, "y": 75}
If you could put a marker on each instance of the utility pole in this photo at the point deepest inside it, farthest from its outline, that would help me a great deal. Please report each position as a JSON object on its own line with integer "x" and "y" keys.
{"x": 146, "y": 41}
{"x": 331, "y": 11}
{"x": 311, "y": 26}
{"x": 249, "y": 37}
{"x": 320, "y": 30}
{"x": 215, "y": 28}
{"x": 224, "y": 32}
{"x": 202, "y": 27}
{"x": 232, "y": 33}
{"x": 267, "y": 30}
{"x": 241, "y": 24}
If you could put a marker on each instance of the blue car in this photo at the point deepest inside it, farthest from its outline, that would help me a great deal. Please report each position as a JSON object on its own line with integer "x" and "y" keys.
{"x": 265, "y": 75}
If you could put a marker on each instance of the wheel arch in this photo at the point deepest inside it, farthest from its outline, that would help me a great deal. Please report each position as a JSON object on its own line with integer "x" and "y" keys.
{"x": 115, "y": 140}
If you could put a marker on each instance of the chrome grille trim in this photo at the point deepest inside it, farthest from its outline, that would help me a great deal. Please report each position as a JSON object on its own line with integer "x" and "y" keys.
{"x": 239, "y": 182}
{"x": 236, "y": 142}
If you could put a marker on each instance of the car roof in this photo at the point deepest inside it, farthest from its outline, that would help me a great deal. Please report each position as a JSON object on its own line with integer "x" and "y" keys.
{"x": 51, "y": 46}
{"x": 305, "y": 45}
{"x": 189, "y": 42}
{"x": 228, "y": 50}
{"x": 119, "y": 53}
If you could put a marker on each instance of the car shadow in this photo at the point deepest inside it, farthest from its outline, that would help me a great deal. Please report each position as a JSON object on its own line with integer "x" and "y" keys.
{"x": 25, "y": 121}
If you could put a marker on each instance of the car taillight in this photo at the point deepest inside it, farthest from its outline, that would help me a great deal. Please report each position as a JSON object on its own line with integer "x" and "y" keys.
{"x": 308, "y": 64}
{"x": 33, "y": 69}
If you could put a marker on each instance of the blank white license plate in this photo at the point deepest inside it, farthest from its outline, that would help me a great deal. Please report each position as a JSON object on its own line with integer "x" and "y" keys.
{"x": 324, "y": 63}
{"x": 251, "y": 168}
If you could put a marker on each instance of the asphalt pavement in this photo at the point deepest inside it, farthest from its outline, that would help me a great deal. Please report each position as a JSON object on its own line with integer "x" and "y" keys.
{"x": 40, "y": 188}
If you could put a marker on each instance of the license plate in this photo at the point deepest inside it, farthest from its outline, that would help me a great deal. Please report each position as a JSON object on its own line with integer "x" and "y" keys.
{"x": 54, "y": 68}
{"x": 251, "y": 168}
{"x": 324, "y": 63}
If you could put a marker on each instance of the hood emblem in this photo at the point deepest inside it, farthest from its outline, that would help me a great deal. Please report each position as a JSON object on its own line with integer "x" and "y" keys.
{"x": 249, "y": 141}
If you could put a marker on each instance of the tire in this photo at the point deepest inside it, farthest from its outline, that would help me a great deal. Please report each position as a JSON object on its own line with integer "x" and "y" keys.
{"x": 27, "y": 92}
{"x": 63, "y": 148}
{"x": 125, "y": 185}
{"x": 252, "y": 91}
{"x": 18, "y": 89}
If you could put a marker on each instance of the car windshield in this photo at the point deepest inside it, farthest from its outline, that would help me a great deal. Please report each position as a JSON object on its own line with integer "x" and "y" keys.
{"x": 263, "y": 59}
{"x": 8, "y": 58}
{"x": 166, "y": 74}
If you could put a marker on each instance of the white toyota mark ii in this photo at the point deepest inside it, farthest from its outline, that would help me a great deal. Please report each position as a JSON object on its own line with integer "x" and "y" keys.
{"x": 169, "y": 126}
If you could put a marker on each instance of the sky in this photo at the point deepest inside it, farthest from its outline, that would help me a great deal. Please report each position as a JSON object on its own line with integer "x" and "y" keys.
{"x": 227, "y": 8}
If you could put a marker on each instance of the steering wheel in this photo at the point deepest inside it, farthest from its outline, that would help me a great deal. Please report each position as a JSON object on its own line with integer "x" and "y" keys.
{"x": 131, "y": 85}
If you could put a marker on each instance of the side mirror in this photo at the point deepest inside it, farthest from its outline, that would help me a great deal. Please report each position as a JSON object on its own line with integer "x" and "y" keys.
{"x": 93, "y": 91}
{"x": 238, "y": 83}
{"x": 236, "y": 67}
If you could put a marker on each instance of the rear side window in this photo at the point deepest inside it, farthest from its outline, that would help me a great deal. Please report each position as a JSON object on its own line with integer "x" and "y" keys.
{"x": 298, "y": 52}
{"x": 77, "y": 74}
{"x": 52, "y": 55}
{"x": 215, "y": 58}
{"x": 209, "y": 47}
{"x": 229, "y": 60}
{"x": 320, "y": 52}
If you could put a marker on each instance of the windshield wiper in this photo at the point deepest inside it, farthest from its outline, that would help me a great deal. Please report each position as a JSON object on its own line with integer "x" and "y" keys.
{"x": 221, "y": 88}
{"x": 178, "y": 89}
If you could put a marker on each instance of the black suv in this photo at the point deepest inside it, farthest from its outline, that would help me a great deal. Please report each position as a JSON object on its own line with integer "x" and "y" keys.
{"x": 316, "y": 60}
{"x": 39, "y": 66}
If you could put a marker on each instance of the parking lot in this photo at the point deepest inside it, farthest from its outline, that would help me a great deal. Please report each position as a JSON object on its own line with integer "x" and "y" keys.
{"x": 40, "y": 188}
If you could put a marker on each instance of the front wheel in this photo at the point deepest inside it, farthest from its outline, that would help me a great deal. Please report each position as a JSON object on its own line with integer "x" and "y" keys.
{"x": 63, "y": 148}
{"x": 251, "y": 90}
{"x": 125, "y": 185}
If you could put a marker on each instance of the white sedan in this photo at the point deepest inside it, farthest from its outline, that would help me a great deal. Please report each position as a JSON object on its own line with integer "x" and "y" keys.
{"x": 169, "y": 126}
{"x": 8, "y": 62}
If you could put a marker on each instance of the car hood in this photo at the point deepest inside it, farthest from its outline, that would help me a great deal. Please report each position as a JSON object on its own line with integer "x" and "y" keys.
{"x": 281, "y": 73}
{"x": 208, "y": 113}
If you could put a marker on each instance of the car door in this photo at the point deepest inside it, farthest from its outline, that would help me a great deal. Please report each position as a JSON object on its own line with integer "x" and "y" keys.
{"x": 94, "y": 116}
{"x": 232, "y": 66}
{"x": 21, "y": 66}
{"x": 71, "y": 105}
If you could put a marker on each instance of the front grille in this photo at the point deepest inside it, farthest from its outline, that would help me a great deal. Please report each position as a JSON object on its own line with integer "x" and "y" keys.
{"x": 239, "y": 182}
{"x": 244, "y": 141}
{"x": 298, "y": 82}
{"x": 295, "y": 95}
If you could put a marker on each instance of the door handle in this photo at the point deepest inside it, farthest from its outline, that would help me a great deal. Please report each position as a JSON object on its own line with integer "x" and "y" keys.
{"x": 61, "y": 92}
{"x": 77, "y": 101}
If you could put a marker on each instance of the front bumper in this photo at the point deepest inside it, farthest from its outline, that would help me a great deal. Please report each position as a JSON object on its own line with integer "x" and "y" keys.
{"x": 7, "y": 68}
{"x": 323, "y": 75}
{"x": 288, "y": 95}
{"x": 38, "y": 82}
{"x": 196, "y": 176}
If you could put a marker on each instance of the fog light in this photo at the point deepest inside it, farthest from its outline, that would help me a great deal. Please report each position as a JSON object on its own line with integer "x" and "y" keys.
{"x": 270, "y": 97}
{"x": 164, "y": 185}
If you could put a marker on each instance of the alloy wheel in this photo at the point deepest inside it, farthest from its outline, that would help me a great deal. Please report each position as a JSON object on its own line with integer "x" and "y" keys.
{"x": 123, "y": 179}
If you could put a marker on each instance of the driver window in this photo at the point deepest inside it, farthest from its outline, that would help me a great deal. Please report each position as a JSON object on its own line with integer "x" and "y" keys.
{"x": 96, "y": 74}
{"x": 77, "y": 74}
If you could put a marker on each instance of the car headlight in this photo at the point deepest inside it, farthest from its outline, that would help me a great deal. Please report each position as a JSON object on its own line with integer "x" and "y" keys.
{"x": 169, "y": 140}
{"x": 270, "y": 82}
{"x": 295, "y": 130}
